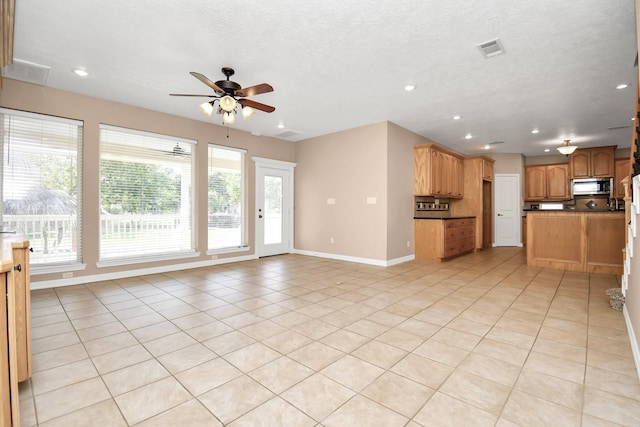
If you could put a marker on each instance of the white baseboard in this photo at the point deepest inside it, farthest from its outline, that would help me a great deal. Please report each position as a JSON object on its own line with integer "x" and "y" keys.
{"x": 635, "y": 350}
{"x": 81, "y": 280}
{"x": 369, "y": 261}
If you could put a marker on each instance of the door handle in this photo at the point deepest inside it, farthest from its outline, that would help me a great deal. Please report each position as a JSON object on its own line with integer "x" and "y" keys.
{"x": 500, "y": 215}
{"x": 259, "y": 216}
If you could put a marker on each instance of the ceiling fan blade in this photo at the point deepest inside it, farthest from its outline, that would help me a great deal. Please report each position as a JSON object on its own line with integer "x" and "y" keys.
{"x": 254, "y": 90}
{"x": 208, "y": 82}
{"x": 256, "y": 105}
{"x": 190, "y": 94}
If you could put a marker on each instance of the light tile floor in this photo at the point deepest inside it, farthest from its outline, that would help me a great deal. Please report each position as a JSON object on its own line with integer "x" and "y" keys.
{"x": 294, "y": 340}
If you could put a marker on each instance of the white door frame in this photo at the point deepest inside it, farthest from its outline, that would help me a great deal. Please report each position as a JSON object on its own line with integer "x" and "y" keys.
{"x": 516, "y": 205}
{"x": 287, "y": 202}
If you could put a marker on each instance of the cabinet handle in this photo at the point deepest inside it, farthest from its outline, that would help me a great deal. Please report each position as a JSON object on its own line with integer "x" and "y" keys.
{"x": 18, "y": 267}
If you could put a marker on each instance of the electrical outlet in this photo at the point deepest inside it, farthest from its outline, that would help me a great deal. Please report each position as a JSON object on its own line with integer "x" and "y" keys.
{"x": 331, "y": 240}
{"x": 408, "y": 244}
{"x": 67, "y": 275}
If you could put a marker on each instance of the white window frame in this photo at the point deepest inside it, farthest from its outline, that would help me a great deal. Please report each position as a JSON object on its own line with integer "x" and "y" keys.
{"x": 37, "y": 268}
{"x": 142, "y": 256}
{"x": 244, "y": 246}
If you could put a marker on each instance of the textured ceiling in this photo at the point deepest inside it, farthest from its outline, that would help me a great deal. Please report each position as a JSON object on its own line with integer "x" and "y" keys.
{"x": 339, "y": 64}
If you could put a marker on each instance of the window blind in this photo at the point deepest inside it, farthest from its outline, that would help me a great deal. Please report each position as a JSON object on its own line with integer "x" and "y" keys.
{"x": 146, "y": 194}
{"x": 41, "y": 172}
{"x": 227, "y": 219}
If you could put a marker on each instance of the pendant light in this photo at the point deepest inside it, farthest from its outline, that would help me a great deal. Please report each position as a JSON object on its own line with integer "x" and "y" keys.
{"x": 567, "y": 149}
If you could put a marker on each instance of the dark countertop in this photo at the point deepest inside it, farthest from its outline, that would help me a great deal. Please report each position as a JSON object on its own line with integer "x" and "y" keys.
{"x": 445, "y": 217}
{"x": 573, "y": 210}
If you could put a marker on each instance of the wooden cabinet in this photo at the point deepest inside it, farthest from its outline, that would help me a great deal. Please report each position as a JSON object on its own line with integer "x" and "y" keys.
{"x": 6, "y": 383}
{"x": 595, "y": 162}
{"x": 547, "y": 182}
{"x": 437, "y": 239}
{"x": 576, "y": 241}
{"x": 478, "y": 198}
{"x": 437, "y": 172}
{"x": 22, "y": 302}
{"x": 15, "y": 326}
{"x": 622, "y": 170}
{"x": 487, "y": 169}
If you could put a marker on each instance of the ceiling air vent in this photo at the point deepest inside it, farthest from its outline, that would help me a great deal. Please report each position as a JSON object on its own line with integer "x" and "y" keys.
{"x": 27, "y": 72}
{"x": 491, "y": 48}
{"x": 619, "y": 127}
{"x": 288, "y": 134}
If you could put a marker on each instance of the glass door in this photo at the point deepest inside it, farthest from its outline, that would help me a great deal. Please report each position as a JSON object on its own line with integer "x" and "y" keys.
{"x": 274, "y": 211}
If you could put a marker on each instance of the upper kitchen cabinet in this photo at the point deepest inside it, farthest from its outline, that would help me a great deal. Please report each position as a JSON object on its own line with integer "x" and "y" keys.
{"x": 547, "y": 182}
{"x": 592, "y": 162}
{"x": 622, "y": 170}
{"x": 437, "y": 172}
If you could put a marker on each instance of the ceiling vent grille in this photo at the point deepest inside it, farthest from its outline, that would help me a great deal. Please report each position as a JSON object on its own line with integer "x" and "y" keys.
{"x": 288, "y": 134}
{"x": 619, "y": 127}
{"x": 27, "y": 72}
{"x": 491, "y": 48}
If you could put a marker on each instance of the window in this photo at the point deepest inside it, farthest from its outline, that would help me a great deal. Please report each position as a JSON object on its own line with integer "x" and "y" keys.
{"x": 146, "y": 196}
{"x": 41, "y": 184}
{"x": 226, "y": 198}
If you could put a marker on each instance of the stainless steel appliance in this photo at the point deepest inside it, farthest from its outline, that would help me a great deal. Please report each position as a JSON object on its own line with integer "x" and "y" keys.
{"x": 591, "y": 186}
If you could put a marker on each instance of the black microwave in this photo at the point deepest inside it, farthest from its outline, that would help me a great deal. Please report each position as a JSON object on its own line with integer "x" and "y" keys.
{"x": 590, "y": 186}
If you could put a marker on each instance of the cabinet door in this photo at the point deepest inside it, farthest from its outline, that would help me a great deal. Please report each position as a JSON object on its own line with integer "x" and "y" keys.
{"x": 580, "y": 162}
{"x": 602, "y": 162}
{"x": 421, "y": 168}
{"x": 437, "y": 173}
{"x": 558, "y": 182}
{"x": 622, "y": 170}
{"x": 5, "y": 390}
{"x": 22, "y": 303}
{"x": 535, "y": 182}
{"x": 458, "y": 177}
{"x": 487, "y": 170}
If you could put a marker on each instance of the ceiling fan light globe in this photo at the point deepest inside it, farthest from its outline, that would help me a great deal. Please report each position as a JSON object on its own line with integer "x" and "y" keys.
{"x": 247, "y": 112}
{"x": 206, "y": 108}
{"x": 227, "y": 103}
{"x": 228, "y": 118}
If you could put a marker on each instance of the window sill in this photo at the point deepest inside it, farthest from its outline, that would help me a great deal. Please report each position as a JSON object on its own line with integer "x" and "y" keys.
{"x": 228, "y": 250}
{"x": 36, "y": 270}
{"x": 141, "y": 260}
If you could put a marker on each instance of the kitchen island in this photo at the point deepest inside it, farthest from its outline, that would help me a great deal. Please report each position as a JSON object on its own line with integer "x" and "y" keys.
{"x": 588, "y": 241}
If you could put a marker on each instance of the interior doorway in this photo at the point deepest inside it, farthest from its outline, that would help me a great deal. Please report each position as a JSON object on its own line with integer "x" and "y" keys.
{"x": 507, "y": 210}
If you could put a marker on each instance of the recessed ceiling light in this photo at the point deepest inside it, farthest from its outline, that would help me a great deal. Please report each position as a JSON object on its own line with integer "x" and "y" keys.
{"x": 80, "y": 72}
{"x": 409, "y": 88}
{"x": 456, "y": 117}
{"x": 487, "y": 146}
{"x": 280, "y": 125}
{"x": 622, "y": 86}
{"x": 535, "y": 131}
{"x": 546, "y": 150}
{"x": 468, "y": 136}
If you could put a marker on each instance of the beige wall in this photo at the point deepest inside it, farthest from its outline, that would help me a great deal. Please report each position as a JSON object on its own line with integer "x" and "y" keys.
{"x": 349, "y": 167}
{"x": 400, "y": 191}
{"x": 93, "y": 111}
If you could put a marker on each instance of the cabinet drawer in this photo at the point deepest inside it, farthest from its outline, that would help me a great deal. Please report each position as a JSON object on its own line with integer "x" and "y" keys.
{"x": 452, "y": 223}
{"x": 456, "y": 247}
{"x": 455, "y": 233}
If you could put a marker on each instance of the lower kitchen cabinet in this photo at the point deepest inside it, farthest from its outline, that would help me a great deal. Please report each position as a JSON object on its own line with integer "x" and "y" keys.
{"x": 576, "y": 241}
{"x": 15, "y": 325}
{"x": 438, "y": 239}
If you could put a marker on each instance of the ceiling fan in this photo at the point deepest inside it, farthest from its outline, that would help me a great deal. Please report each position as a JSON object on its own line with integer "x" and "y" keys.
{"x": 228, "y": 95}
